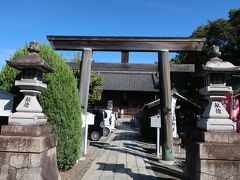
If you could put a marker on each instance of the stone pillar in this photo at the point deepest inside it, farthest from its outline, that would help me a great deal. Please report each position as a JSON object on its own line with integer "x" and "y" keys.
{"x": 165, "y": 105}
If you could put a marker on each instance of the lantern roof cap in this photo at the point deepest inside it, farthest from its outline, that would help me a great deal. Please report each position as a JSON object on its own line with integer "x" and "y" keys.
{"x": 31, "y": 61}
{"x": 216, "y": 64}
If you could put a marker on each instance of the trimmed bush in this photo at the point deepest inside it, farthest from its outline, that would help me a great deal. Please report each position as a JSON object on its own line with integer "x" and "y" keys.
{"x": 60, "y": 102}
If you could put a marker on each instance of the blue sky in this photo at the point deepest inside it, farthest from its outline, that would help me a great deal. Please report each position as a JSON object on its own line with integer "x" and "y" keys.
{"x": 22, "y": 21}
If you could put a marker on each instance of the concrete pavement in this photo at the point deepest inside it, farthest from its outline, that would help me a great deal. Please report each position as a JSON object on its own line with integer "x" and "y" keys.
{"x": 122, "y": 158}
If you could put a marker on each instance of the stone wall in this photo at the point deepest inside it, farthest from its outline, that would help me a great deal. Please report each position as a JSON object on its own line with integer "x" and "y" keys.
{"x": 213, "y": 155}
{"x": 28, "y": 152}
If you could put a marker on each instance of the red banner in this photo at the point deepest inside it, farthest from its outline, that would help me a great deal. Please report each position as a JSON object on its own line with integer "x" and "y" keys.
{"x": 231, "y": 104}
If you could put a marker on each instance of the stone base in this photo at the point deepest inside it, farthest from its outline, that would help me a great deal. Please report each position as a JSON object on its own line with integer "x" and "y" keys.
{"x": 28, "y": 152}
{"x": 178, "y": 149}
{"x": 213, "y": 124}
{"x": 213, "y": 155}
{"x": 214, "y": 170}
{"x": 171, "y": 163}
{"x": 27, "y": 118}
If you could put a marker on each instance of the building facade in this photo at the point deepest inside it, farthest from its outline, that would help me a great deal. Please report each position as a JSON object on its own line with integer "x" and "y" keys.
{"x": 127, "y": 92}
{"x": 126, "y": 87}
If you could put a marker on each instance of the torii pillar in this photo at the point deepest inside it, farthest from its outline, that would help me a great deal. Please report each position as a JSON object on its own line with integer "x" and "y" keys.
{"x": 165, "y": 105}
{"x": 85, "y": 73}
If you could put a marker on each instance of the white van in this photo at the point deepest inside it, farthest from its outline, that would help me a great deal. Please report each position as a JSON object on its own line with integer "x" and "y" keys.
{"x": 109, "y": 122}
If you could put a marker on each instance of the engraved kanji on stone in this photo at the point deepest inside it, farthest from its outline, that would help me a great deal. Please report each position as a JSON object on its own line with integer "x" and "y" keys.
{"x": 27, "y": 101}
{"x": 217, "y": 105}
{"x": 217, "y": 108}
{"x": 218, "y": 111}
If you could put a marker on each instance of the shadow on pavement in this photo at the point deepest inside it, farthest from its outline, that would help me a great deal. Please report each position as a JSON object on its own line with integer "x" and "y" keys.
{"x": 165, "y": 170}
{"x": 134, "y": 147}
{"x": 120, "y": 168}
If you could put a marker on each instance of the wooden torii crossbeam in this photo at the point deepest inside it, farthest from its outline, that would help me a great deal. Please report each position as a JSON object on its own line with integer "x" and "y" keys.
{"x": 162, "y": 45}
{"x": 118, "y": 43}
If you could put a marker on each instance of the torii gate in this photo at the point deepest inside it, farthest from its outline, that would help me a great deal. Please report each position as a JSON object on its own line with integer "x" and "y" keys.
{"x": 163, "y": 46}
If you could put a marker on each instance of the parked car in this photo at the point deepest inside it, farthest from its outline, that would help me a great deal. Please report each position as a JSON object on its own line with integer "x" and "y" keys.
{"x": 115, "y": 121}
{"x": 109, "y": 122}
{"x": 95, "y": 131}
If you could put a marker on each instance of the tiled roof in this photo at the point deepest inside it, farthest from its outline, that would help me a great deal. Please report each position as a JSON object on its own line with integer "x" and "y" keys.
{"x": 118, "y": 81}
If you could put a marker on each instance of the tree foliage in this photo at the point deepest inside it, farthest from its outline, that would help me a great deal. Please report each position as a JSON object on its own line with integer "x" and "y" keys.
{"x": 224, "y": 33}
{"x": 95, "y": 90}
{"x": 60, "y": 102}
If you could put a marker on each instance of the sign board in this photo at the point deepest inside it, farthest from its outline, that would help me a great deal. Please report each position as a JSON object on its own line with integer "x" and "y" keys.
{"x": 156, "y": 121}
{"x": 6, "y": 103}
{"x": 90, "y": 119}
{"x": 174, "y": 119}
{"x": 87, "y": 119}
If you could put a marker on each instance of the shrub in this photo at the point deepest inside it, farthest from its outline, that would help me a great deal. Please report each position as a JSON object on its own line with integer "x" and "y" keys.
{"x": 60, "y": 102}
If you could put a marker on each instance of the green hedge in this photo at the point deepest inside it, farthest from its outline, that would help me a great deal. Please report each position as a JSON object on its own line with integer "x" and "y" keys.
{"x": 60, "y": 102}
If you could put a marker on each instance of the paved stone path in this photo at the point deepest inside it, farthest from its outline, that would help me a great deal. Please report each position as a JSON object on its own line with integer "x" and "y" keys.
{"x": 122, "y": 158}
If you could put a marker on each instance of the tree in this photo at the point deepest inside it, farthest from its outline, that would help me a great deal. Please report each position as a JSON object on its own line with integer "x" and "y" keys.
{"x": 60, "y": 102}
{"x": 95, "y": 90}
{"x": 222, "y": 32}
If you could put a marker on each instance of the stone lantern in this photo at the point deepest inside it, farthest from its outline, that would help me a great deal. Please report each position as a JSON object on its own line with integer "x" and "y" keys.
{"x": 215, "y": 116}
{"x": 28, "y": 145}
{"x": 212, "y": 150}
{"x": 32, "y": 66}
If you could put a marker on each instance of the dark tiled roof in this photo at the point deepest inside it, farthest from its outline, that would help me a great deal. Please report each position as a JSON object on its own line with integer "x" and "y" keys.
{"x": 118, "y": 81}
